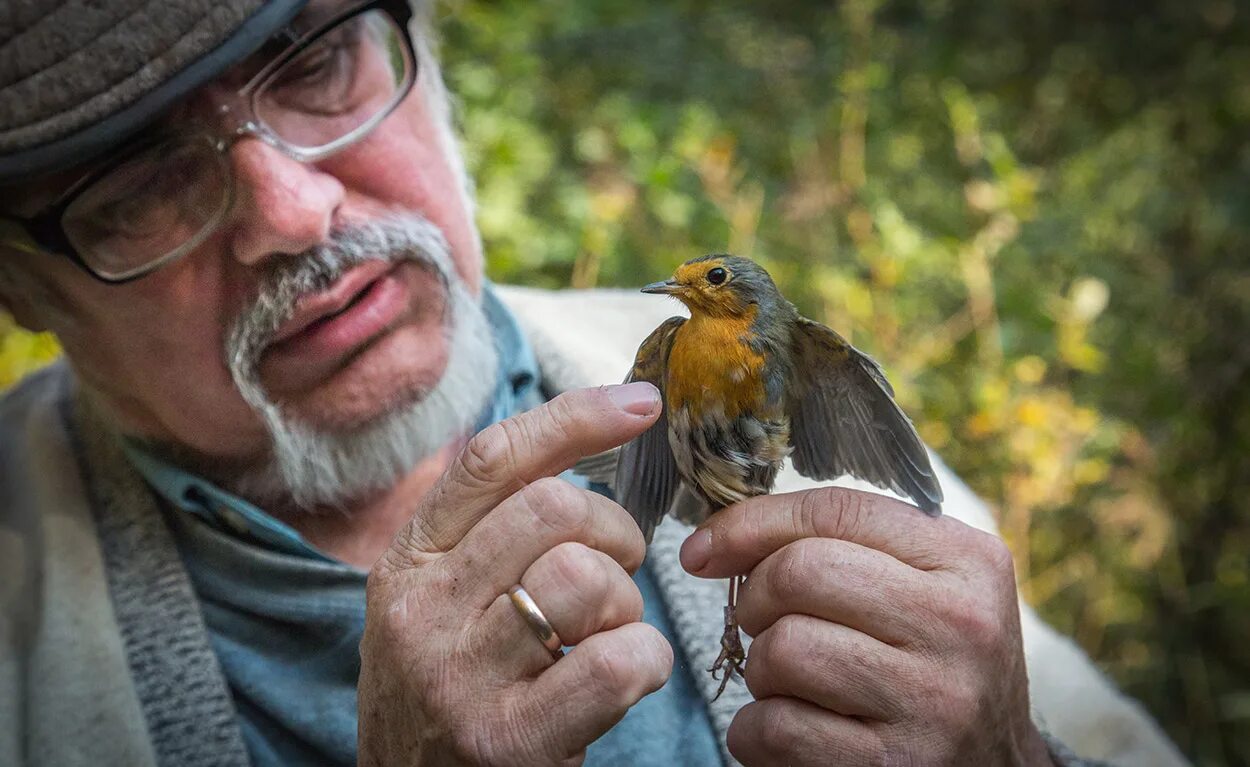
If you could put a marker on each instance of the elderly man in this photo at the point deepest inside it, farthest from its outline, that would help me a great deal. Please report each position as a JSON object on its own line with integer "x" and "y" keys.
{"x": 247, "y": 520}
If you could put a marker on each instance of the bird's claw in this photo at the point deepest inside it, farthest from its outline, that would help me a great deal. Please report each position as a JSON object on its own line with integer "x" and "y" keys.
{"x": 732, "y": 655}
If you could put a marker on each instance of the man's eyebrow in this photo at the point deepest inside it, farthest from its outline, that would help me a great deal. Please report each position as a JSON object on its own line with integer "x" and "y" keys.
{"x": 312, "y": 17}
{"x": 242, "y": 72}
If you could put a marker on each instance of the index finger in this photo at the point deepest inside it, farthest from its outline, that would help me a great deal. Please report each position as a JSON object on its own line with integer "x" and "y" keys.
{"x": 735, "y": 539}
{"x": 508, "y": 455}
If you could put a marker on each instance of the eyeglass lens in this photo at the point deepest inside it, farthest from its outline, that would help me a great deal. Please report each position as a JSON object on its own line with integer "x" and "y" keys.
{"x": 167, "y": 199}
{"x": 335, "y": 86}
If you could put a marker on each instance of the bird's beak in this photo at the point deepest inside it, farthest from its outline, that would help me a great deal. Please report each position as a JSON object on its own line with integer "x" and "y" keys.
{"x": 665, "y": 288}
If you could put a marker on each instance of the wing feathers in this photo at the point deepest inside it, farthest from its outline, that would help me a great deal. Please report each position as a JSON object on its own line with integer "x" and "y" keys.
{"x": 646, "y": 472}
{"x": 844, "y": 420}
{"x": 600, "y": 467}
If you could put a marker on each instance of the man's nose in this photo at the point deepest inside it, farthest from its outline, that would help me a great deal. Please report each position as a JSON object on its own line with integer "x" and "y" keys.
{"x": 283, "y": 207}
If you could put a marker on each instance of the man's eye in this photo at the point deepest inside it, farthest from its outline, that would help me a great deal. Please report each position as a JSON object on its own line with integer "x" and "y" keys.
{"x": 135, "y": 215}
{"x": 320, "y": 81}
{"x": 148, "y": 201}
{"x": 314, "y": 68}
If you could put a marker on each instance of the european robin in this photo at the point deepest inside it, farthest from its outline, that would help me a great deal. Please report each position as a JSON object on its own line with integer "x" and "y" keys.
{"x": 746, "y": 382}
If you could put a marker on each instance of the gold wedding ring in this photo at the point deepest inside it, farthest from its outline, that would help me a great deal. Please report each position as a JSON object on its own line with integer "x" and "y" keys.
{"x": 542, "y": 627}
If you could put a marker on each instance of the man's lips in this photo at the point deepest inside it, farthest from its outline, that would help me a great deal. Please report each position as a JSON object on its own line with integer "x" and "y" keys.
{"x": 372, "y": 312}
{"x": 332, "y": 327}
{"x": 310, "y": 309}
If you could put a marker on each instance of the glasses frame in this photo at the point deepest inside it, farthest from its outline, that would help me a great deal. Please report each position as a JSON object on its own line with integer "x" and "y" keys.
{"x": 48, "y": 232}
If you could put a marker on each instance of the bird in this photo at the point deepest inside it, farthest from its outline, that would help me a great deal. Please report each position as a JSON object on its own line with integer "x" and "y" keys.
{"x": 747, "y": 382}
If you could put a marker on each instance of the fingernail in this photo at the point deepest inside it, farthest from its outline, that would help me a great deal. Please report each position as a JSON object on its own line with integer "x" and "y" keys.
{"x": 638, "y": 398}
{"x": 697, "y": 550}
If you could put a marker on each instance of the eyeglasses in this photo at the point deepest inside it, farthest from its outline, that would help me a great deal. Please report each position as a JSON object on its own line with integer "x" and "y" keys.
{"x": 161, "y": 198}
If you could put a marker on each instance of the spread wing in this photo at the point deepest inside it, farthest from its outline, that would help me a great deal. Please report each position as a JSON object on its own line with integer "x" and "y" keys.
{"x": 844, "y": 420}
{"x": 600, "y": 467}
{"x": 646, "y": 472}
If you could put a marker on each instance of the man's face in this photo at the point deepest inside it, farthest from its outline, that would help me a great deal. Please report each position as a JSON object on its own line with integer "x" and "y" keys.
{"x": 376, "y": 339}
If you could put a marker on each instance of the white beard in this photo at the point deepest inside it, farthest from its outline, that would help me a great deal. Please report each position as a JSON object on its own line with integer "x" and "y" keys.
{"x": 313, "y": 467}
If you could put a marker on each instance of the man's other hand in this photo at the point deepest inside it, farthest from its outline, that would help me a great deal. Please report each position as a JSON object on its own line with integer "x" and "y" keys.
{"x": 882, "y": 636}
{"x": 451, "y": 673}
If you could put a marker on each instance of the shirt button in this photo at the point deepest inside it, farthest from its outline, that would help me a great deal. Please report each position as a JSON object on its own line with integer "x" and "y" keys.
{"x": 234, "y": 520}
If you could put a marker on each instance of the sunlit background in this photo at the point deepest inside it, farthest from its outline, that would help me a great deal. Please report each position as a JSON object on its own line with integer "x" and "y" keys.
{"x": 1035, "y": 214}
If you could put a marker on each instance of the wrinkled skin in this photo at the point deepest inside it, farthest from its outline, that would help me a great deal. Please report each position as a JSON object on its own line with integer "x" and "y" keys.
{"x": 451, "y": 673}
{"x": 881, "y": 636}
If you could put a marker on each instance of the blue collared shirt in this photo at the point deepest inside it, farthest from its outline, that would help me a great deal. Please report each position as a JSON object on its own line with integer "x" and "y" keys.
{"x": 285, "y": 619}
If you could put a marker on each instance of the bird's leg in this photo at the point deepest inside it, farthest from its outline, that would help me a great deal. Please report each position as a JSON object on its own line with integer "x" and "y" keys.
{"x": 732, "y": 656}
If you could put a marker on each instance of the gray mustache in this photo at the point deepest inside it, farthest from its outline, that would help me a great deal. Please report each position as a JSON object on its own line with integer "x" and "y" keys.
{"x": 402, "y": 238}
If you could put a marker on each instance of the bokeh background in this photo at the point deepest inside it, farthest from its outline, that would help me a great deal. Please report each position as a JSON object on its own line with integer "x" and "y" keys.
{"x": 1035, "y": 213}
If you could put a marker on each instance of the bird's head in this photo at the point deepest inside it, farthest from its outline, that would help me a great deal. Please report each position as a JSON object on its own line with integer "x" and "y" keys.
{"x": 719, "y": 285}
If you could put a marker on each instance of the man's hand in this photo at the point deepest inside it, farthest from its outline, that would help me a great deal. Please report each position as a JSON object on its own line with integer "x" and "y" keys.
{"x": 451, "y": 673}
{"x": 882, "y": 636}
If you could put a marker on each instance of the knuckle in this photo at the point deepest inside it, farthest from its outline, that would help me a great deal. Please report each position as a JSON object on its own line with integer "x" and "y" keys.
{"x": 398, "y": 556}
{"x": 760, "y": 657}
{"x": 552, "y": 491}
{"x": 791, "y": 577}
{"x": 580, "y": 569}
{"x": 519, "y": 436}
{"x": 983, "y": 550}
{"x": 834, "y": 512}
{"x": 977, "y": 624}
{"x": 485, "y": 453}
{"x": 661, "y": 654}
{"x": 790, "y": 633}
{"x": 741, "y": 735}
{"x": 766, "y": 666}
{"x": 921, "y": 679}
{"x": 469, "y": 747}
{"x": 959, "y": 704}
{"x": 811, "y": 509}
{"x": 621, "y": 597}
{"x": 778, "y": 647}
{"x": 628, "y": 604}
{"x": 752, "y": 527}
{"x": 378, "y": 584}
{"x": 927, "y": 682}
{"x": 627, "y": 535}
{"x": 558, "y": 506}
{"x": 776, "y": 730}
{"x": 853, "y": 511}
{"x": 390, "y": 622}
{"x": 563, "y": 411}
{"x": 996, "y": 555}
{"x": 611, "y": 674}
{"x": 989, "y": 629}
{"x": 412, "y": 546}
{"x": 653, "y": 647}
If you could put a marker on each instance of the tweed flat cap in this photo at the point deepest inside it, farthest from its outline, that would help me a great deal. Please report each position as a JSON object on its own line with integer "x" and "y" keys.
{"x": 79, "y": 76}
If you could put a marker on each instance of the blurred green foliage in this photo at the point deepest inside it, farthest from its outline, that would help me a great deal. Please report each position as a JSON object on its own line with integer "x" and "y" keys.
{"x": 1036, "y": 214}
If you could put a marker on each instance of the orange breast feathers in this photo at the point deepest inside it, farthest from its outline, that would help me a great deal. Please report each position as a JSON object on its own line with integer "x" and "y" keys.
{"x": 711, "y": 363}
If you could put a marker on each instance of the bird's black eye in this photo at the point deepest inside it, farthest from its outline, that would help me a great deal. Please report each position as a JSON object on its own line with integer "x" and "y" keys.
{"x": 717, "y": 276}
